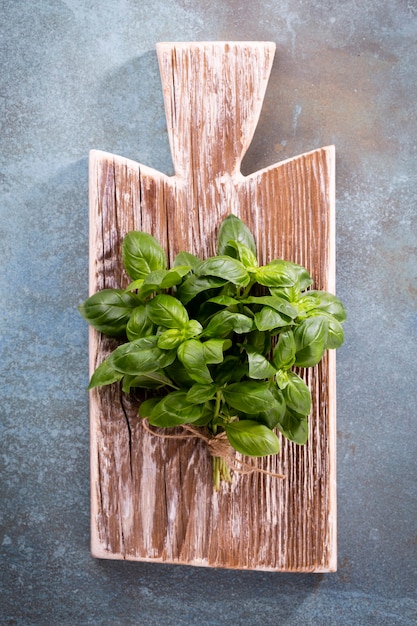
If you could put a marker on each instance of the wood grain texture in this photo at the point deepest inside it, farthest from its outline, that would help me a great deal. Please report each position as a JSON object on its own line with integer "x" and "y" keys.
{"x": 152, "y": 499}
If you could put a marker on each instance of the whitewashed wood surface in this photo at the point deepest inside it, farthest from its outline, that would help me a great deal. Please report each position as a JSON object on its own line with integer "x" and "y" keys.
{"x": 152, "y": 499}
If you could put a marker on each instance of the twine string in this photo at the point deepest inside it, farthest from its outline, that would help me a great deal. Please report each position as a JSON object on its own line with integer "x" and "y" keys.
{"x": 217, "y": 446}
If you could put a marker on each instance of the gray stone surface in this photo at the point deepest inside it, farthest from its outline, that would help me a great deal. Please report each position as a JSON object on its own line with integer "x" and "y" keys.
{"x": 77, "y": 75}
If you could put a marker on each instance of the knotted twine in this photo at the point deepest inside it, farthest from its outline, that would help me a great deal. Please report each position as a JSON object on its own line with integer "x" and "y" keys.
{"x": 217, "y": 446}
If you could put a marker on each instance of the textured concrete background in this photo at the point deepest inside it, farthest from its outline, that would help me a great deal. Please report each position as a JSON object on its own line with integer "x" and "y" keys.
{"x": 77, "y": 75}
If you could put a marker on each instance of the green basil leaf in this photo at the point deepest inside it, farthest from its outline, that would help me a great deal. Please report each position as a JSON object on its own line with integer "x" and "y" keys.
{"x": 165, "y": 310}
{"x": 139, "y": 324}
{"x": 194, "y": 285}
{"x": 284, "y": 351}
{"x": 105, "y": 374}
{"x": 192, "y": 329}
{"x": 233, "y": 229}
{"x": 281, "y": 379}
{"x": 275, "y": 302}
{"x": 297, "y": 395}
{"x": 280, "y": 273}
{"x": 186, "y": 258}
{"x": 191, "y": 354}
{"x": 145, "y": 407}
{"x": 199, "y": 393}
{"x": 259, "y": 341}
{"x": 171, "y": 338}
{"x": 109, "y": 311}
{"x": 251, "y": 438}
{"x": 150, "y": 380}
{"x": 269, "y": 319}
{"x": 224, "y": 267}
{"x": 325, "y": 301}
{"x": 162, "y": 279}
{"x": 259, "y": 366}
{"x": 213, "y": 350}
{"x": 178, "y": 374}
{"x": 301, "y": 276}
{"x": 224, "y": 300}
{"x": 336, "y": 335}
{"x": 174, "y": 409}
{"x": 275, "y": 414}
{"x": 294, "y": 427}
{"x": 134, "y": 286}
{"x": 245, "y": 254}
{"x": 224, "y": 322}
{"x": 251, "y": 397}
{"x": 291, "y": 294}
{"x": 141, "y": 356}
{"x": 142, "y": 254}
{"x": 310, "y": 340}
{"x": 232, "y": 369}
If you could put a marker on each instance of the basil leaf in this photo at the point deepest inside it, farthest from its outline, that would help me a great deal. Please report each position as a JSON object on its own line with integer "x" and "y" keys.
{"x": 280, "y": 273}
{"x": 194, "y": 285}
{"x": 139, "y": 324}
{"x": 142, "y": 254}
{"x": 259, "y": 366}
{"x": 297, "y": 395}
{"x": 251, "y": 438}
{"x": 186, "y": 258}
{"x": 291, "y": 294}
{"x": 199, "y": 393}
{"x": 171, "y": 338}
{"x": 191, "y": 354}
{"x": 259, "y": 341}
{"x": 105, "y": 374}
{"x": 275, "y": 414}
{"x": 233, "y": 229}
{"x": 177, "y": 373}
{"x": 281, "y": 379}
{"x": 146, "y": 406}
{"x": 165, "y": 310}
{"x": 275, "y": 302}
{"x": 224, "y": 322}
{"x": 213, "y": 350}
{"x": 310, "y": 340}
{"x": 162, "y": 279}
{"x": 301, "y": 276}
{"x": 141, "y": 356}
{"x": 109, "y": 311}
{"x": 327, "y": 302}
{"x": 193, "y": 329}
{"x": 336, "y": 335}
{"x": 294, "y": 427}
{"x": 250, "y": 397}
{"x": 224, "y": 300}
{"x": 244, "y": 254}
{"x": 134, "y": 286}
{"x": 150, "y": 380}
{"x": 284, "y": 351}
{"x": 174, "y": 409}
{"x": 269, "y": 319}
{"x": 224, "y": 267}
{"x": 230, "y": 370}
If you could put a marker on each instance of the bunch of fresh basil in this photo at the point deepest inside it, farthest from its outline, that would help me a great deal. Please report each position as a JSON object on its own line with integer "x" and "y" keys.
{"x": 217, "y": 338}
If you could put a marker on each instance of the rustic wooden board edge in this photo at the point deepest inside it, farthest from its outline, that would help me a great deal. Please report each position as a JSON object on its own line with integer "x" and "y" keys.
{"x": 97, "y": 548}
{"x": 118, "y": 204}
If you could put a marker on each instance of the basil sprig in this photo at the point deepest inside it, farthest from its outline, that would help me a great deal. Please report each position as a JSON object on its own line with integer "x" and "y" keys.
{"x": 217, "y": 339}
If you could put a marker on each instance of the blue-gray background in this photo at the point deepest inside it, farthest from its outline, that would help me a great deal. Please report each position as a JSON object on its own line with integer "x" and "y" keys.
{"x": 80, "y": 74}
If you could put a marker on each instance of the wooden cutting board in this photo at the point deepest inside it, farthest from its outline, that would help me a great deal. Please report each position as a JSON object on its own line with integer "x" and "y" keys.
{"x": 152, "y": 499}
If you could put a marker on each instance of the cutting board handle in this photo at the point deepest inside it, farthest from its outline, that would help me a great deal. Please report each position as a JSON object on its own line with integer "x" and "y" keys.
{"x": 213, "y": 93}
